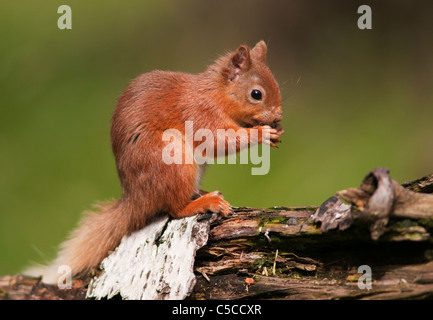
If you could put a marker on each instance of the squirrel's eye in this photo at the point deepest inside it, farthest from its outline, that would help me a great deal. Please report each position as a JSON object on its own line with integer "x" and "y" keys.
{"x": 256, "y": 94}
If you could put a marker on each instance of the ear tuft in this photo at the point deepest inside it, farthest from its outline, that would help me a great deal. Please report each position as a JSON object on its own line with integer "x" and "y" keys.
{"x": 259, "y": 51}
{"x": 241, "y": 58}
{"x": 240, "y": 62}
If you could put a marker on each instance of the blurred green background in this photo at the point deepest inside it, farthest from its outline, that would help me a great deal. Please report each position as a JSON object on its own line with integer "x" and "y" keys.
{"x": 353, "y": 100}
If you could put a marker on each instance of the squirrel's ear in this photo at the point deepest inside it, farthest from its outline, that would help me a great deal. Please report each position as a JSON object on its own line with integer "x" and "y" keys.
{"x": 241, "y": 58}
{"x": 239, "y": 62}
{"x": 259, "y": 51}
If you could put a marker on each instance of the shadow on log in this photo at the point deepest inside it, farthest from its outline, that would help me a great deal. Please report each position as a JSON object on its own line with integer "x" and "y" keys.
{"x": 373, "y": 242}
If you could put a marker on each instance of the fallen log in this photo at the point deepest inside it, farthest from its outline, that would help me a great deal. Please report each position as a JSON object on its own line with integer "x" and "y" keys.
{"x": 336, "y": 251}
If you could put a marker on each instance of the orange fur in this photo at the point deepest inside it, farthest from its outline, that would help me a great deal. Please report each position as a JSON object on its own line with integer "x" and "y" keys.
{"x": 218, "y": 98}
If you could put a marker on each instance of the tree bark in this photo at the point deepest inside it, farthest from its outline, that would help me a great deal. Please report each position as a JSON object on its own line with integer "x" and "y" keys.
{"x": 336, "y": 251}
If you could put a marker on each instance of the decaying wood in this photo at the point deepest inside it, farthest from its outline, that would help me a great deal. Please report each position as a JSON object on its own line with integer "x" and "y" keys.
{"x": 18, "y": 287}
{"x": 423, "y": 185}
{"x": 403, "y": 282}
{"x": 289, "y": 257}
{"x": 306, "y": 252}
{"x": 378, "y": 199}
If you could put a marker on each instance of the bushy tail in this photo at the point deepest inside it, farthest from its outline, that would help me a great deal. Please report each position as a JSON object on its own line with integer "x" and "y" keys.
{"x": 97, "y": 234}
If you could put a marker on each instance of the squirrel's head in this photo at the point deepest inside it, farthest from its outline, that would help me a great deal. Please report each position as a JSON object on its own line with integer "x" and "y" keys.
{"x": 252, "y": 87}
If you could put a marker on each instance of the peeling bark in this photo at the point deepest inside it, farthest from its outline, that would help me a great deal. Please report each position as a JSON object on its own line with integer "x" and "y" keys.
{"x": 155, "y": 263}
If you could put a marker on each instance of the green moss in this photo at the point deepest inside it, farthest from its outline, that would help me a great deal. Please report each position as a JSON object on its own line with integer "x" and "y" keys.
{"x": 282, "y": 208}
{"x": 427, "y": 223}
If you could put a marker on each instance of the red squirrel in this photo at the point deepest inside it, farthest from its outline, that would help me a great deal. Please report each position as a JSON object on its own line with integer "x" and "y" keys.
{"x": 238, "y": 91}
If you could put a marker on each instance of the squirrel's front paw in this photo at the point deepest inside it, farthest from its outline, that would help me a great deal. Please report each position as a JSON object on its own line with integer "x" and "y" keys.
{"x": 269, "y": 135}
